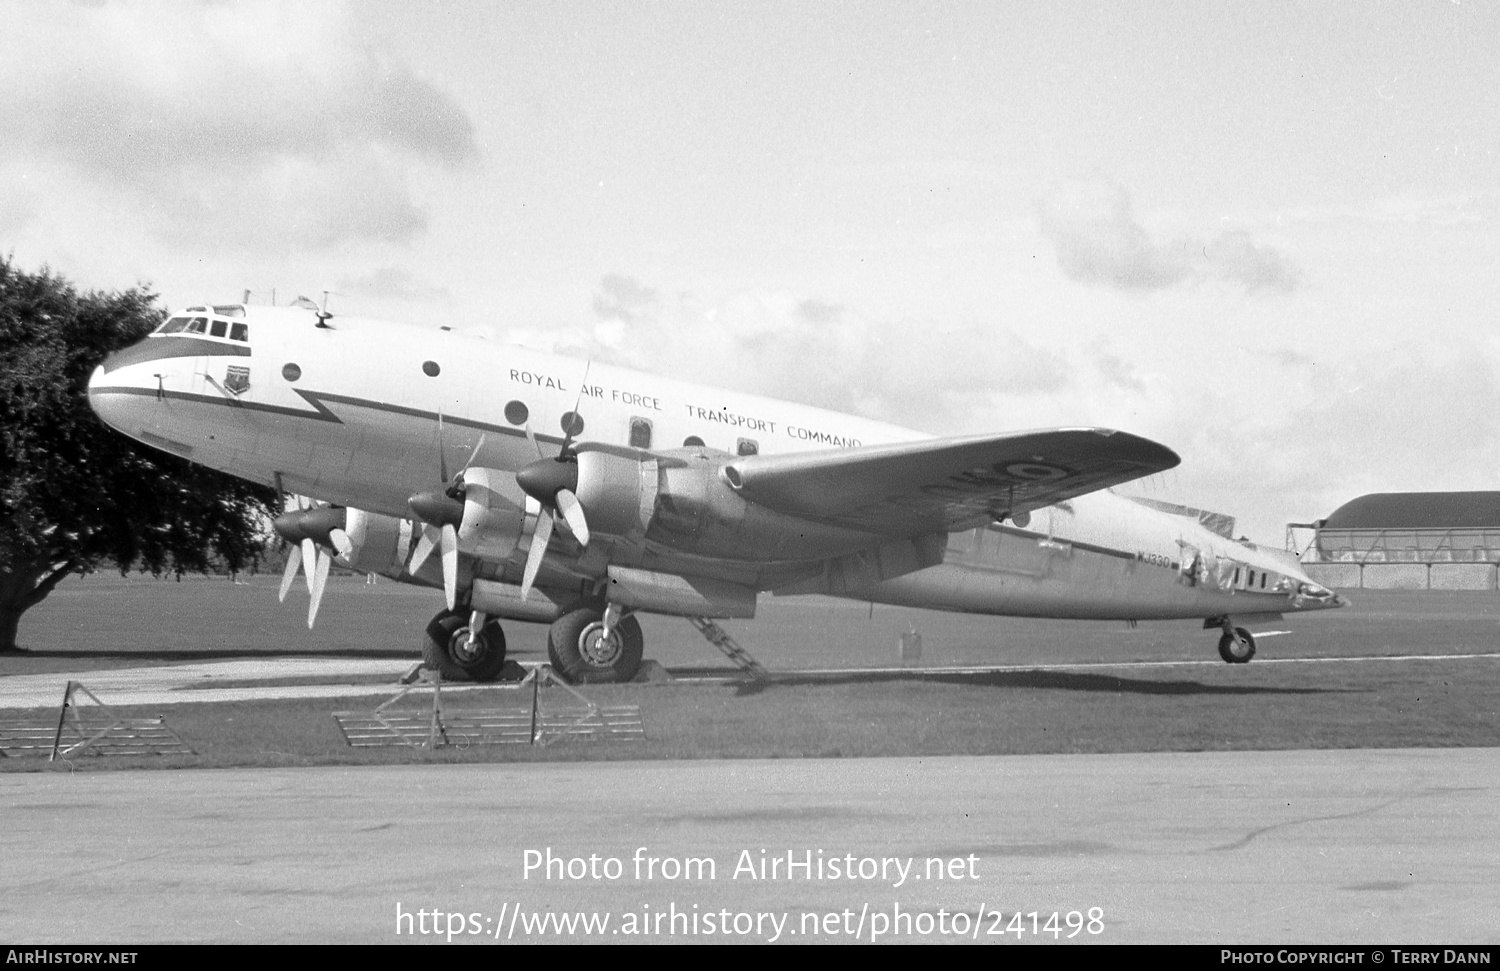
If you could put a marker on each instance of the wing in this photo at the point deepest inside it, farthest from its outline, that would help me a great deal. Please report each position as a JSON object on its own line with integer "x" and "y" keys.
{"x": 946, "y": 484}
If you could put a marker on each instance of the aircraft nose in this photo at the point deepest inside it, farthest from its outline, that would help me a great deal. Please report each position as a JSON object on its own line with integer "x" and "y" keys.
{"x": 112, "y": 404}
{"x": 99, "y": 401}
{"x": 96, "y": 382}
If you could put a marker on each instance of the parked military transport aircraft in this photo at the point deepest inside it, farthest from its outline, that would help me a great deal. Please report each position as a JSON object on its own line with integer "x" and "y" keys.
{"x": 588, "y": 493}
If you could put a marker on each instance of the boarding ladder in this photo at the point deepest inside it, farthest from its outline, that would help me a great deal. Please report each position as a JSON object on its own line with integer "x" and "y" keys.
{"x": 719, "y": 637}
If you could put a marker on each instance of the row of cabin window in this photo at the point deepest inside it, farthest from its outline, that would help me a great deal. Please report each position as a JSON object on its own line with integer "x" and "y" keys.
{"x": 1249, "y": 578}
{"x": 640, "y": 437}
{"x": 235, "y": 331}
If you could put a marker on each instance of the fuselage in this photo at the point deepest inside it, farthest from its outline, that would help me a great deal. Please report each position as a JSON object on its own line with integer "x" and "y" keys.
{"x": 365, "y": 413}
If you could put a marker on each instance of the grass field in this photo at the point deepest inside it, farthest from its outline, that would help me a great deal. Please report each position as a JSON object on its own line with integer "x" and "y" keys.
{"x": 109, "y": 621}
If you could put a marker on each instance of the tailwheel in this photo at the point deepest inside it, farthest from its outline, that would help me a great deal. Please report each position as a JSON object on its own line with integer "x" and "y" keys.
{"x": 448, "y": 649}
{"x": 1237, "y": 646}
{"x": 583, "y": 652}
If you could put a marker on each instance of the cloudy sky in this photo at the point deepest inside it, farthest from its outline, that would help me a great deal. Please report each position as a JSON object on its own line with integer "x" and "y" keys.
{"x": 1263, "y": 234}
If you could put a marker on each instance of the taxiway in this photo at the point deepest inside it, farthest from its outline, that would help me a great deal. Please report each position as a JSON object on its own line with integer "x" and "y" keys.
{"x": 1249, "y": 847}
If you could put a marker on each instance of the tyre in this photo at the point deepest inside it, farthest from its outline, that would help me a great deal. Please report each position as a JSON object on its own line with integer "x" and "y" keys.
{"x": 1237, "y": 648}
{"x": 446, "y": 649}
{"x": 581, "y": 654}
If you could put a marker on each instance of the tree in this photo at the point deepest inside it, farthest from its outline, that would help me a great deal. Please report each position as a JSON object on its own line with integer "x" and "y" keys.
{"x": 74, "y": 493}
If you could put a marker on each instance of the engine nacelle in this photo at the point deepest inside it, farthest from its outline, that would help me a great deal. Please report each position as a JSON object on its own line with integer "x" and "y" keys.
{"x": 496, "y": 514}
{"x": 380, "y": 544}
{"x": 684, "y": 500}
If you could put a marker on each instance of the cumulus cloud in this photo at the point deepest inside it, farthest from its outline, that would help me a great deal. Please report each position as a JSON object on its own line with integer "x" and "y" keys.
{"x": 395, "y": 283}
{"x": 1233, "y": 256}
{"x": 623, "y": 298}
{"x": 1099, "y": 241}
{"x": 1115, "y": 369}
{"x": 265, "y": 113}
{"x": 811, "y": 350}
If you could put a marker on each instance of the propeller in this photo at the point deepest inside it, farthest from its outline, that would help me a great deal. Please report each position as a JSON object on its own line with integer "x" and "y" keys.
{"x": 312, "y": 531}
{"x": 441, "y": 512}
{"x": 553, "y": 483}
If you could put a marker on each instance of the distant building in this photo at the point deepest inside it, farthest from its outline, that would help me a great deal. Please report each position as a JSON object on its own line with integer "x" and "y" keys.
{"x": 1408, "y": 541}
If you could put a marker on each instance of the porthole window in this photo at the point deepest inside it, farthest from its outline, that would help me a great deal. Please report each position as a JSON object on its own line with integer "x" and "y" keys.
{"x": 291, "y": 372}
{"x": 692, "y": 441}
{"x": 747, "y": 446}
{"x": 572, "y": 423}
{"x": 431, "y": 369}
{"x": 516, "y": 412}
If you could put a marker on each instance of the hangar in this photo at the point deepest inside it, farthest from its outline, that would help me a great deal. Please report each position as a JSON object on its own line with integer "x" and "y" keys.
{"x": 1407, "y": 541}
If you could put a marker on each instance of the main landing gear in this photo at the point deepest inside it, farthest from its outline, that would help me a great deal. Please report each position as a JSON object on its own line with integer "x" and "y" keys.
{"x": 464, "y": 647}
{"x": 585, "y": 645}
{"x": 590, "y": 646}
{"x": 1237, "y": 645}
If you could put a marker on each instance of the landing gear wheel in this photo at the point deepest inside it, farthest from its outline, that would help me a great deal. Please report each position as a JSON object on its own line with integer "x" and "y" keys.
{"x": 1237, "y": 647}
{"x": 580, "y": 652}
{"x": 446, "y": 648}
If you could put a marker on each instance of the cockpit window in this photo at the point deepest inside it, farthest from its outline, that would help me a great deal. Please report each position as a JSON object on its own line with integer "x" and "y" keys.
{"x": 229, "y": 310}
{"x": 235, "y": 330}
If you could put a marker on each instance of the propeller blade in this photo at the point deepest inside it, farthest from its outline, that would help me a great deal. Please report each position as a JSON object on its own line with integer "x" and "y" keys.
{"x": 310, "y": 559}
{"x": 341, "y": 541}
{"x": 531, "y": 437}
{"x": 317, "y": 581}
{"x": 424, "y": 549}
{"x": 293, "y": 561}
{"x": 442, "y": 452}
{"x": 573, "y": 512}
{"x": 475, "y": 454}
{"x": 449, "y": 542}
{"x": 574, "y": 425}
{"x": 539, "y": 540}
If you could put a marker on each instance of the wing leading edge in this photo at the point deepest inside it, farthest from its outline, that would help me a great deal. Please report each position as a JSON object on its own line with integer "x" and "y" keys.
{"x": 946, "y": 484}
